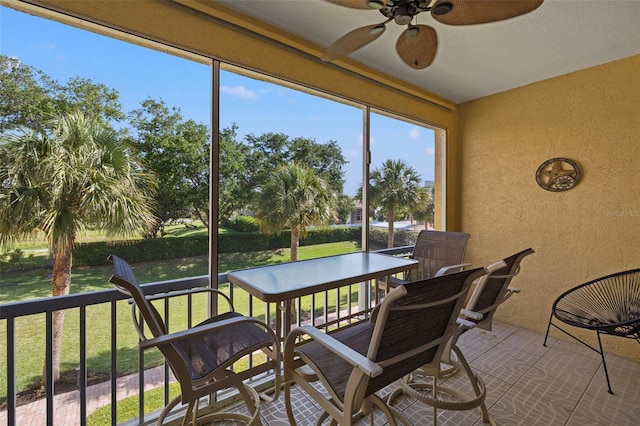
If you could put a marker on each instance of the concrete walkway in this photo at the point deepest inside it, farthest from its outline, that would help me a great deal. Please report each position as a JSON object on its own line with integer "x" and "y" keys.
{"x": 67, "y": 406}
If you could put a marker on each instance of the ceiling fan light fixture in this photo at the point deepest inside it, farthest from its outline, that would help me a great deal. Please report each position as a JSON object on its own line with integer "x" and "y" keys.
{"x": 377, "y": 29}
{"x": 376, "y": 4}
{"x": 441, "y": 9}
{"x": 403, "y": 19}
{"x": 412, "y": 32}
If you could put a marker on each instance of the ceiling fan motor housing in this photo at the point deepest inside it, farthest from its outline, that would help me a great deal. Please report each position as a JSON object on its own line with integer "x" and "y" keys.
{"x": 401, "y": 12}
{"x": 417, "y": 45}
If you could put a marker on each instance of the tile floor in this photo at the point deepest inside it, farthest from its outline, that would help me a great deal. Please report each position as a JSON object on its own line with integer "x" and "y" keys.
{"x": 527, "y": 384}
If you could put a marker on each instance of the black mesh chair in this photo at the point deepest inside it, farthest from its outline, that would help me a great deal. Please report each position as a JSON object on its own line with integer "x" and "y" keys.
{"x": 202, "y": 357}
{"x": 608, "y": 305}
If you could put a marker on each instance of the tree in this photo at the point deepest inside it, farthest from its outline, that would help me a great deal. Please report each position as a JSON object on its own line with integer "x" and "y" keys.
{"x": 235, "y": 192}
{"x": 269, "y": 150}
{"x": 395, "y": 185}
{"x": 345, "y": 206}
{"x": 326, "y": 159}
{"x": 177, "y": 151}
{"x": 424, "y": 210}
{"x": 30, "y": 98}
{"x": 297, "y": 197}
{"x": 26, "y": 95}
{"x": 76, "y": 177}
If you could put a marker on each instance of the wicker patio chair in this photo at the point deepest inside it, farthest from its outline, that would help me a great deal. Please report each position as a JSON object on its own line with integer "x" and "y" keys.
{"x": 202, "y": 357}
{"x": 437, "y": 253}
{"x": 409, "y": 328}
{"x": 491, "y": 290}
{"x": 608, "y": 305}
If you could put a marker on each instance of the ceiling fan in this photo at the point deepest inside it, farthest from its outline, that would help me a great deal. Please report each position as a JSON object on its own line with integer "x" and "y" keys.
{"x": 417, "y": 44}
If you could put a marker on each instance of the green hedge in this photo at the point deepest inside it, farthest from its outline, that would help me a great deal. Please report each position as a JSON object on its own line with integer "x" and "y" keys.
{"x": 95, "y": 253}
{"x": 378, "y": 238}
{"x": 243, "y": 224}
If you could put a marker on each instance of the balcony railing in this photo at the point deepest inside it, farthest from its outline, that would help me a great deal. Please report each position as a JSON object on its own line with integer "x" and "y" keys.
{"x": 323, "y": 310}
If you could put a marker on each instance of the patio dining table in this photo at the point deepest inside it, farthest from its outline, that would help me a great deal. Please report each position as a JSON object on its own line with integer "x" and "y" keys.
{"x": 282, "y": 282}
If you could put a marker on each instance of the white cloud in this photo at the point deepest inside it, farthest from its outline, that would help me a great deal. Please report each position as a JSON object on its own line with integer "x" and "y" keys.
{"x": 414, "y": 133}
{"x": 430, "y": 151}
{"x": 239, "y": 92}
{"x": 351, "y": 153}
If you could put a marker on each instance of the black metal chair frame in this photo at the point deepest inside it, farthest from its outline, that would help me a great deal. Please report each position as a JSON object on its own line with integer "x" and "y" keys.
{"x": 608, "y": 305}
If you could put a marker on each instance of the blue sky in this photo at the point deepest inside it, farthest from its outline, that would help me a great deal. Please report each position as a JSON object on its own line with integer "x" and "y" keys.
{"x": 255, "y": 106}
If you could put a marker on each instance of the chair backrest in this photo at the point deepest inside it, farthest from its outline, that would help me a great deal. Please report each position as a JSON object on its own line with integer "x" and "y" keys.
{"x": 414, "y": 322}
{"x": 609, "y": 304}
{"x": 436, "y": 249}
{"x": 491, "y": 289}
{"x": 125, "y": 281}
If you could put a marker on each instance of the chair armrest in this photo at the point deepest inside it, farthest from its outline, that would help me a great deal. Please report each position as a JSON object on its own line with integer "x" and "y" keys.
{"x": 471, "y": 314}
{"x": 466, "y": 324}
{"x": 445, "y": 270}
{"x": 203, "y": 329}
{"x": 357, "y": 360}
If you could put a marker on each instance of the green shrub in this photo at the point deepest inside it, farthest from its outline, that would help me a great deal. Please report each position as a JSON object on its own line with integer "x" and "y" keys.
{"x": 243, "y": 224}
{"x": 96, "y": 253}
{"x": 379, "y": 236}
{"x": 15, "y": 260}
{"x": 242, "y": 242}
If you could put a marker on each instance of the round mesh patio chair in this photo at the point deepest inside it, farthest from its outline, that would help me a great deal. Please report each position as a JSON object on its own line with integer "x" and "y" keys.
{"x": 608, "y": 305}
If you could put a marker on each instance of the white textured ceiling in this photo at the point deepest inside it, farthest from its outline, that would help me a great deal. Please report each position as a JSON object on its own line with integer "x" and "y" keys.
{"x": 474, "y": 61}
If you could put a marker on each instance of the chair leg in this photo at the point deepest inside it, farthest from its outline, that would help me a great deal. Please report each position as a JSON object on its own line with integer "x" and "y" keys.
{"x": 391, "y": 413}
{"x": 428, "y": 392}
{"x": 548, "y": 328}
{"x": 287, "y": 402}
{"x": 604, "y": 363}
{"x": 435, "y": 406}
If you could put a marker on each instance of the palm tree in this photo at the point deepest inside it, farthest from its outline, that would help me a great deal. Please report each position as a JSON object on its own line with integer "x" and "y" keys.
{"x": 395, "y": 185}
{"x": 297, "y": 197}
{"x": 78, "y": 177}
{"x": 424, "y": 211}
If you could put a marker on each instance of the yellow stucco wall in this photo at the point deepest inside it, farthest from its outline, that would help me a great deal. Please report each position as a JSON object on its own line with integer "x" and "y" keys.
{"x": 591, "y": 116}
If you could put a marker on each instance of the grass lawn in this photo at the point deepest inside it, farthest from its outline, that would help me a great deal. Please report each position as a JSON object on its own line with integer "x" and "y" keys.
{"x": 30, "y": 346}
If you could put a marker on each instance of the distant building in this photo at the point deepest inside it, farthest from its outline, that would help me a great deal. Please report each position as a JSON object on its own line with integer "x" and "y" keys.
{"x": 355, "y": 218}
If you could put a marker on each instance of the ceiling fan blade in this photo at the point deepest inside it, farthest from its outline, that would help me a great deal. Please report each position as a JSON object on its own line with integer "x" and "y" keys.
{"x": 353, "y": 41}
{"x": 469, "y": 12}
{"x": 352, "y": 4}
{"x": 417, "y": 46}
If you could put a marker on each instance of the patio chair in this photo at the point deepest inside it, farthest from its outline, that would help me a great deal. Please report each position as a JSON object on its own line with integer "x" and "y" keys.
{"x": 437, "y": 253}
{"x": 409, "y": 328}
{"x": 608, "y": 305}
{"x": 491, "y": 290}
{"x": 202, "y": 357}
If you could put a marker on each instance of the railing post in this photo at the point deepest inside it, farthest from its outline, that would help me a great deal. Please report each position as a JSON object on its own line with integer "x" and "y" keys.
{"x": 11, "y": 372}
{"x": 49, "y": 366}
{"x": 82, "y": 374}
